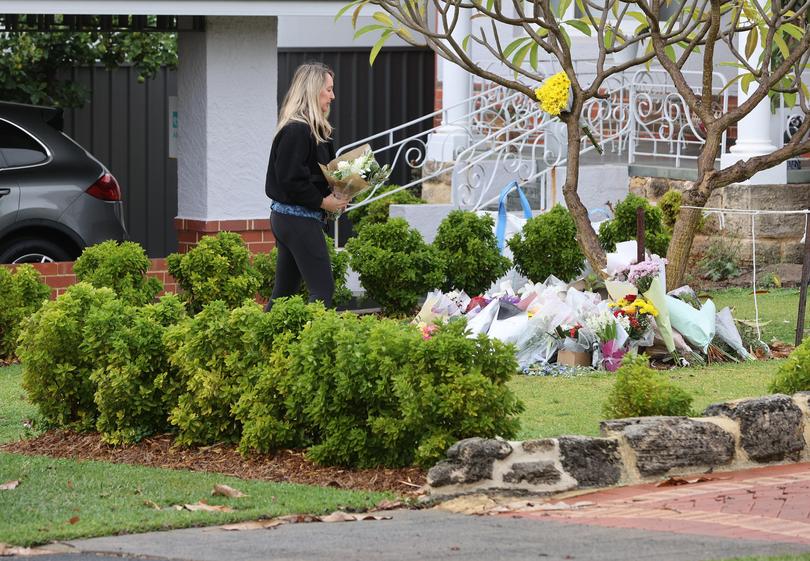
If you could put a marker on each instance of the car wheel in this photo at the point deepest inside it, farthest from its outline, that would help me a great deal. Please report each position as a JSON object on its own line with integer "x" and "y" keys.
{"x": 29, "y": 250}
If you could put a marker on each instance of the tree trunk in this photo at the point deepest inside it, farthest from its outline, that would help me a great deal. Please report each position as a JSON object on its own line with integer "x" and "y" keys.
{"x": 680, "y": 246}
{"x": 586, "y": 236}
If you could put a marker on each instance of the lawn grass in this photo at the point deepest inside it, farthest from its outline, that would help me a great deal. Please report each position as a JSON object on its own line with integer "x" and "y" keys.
{"x": 15, "y": 410}
{"x": 65, "y": 499}
{"x": 556, "y": 405}
{"x": 103, "y": 498}
{"x": 779, "y": 306}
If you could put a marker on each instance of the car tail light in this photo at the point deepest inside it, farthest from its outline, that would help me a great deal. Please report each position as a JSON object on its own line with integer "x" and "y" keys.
{"x": 105, "y": 188}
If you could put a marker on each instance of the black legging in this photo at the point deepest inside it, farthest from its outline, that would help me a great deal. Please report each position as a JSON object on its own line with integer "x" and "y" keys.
{"x": 302, "y": 252}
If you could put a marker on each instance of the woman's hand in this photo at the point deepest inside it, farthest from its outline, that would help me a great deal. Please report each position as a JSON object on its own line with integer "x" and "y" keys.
{"x": 334, "y": 204}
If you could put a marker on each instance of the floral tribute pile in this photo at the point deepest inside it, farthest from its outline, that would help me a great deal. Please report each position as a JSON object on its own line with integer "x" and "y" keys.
{"x": 555, "y": 326}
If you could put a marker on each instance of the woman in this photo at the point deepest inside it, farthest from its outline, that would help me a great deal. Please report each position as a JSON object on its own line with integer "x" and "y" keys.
{"x": 298, "y": 189}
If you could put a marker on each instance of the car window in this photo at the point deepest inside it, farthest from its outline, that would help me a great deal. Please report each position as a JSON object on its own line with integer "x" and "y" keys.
{"x": 18, "y": 147}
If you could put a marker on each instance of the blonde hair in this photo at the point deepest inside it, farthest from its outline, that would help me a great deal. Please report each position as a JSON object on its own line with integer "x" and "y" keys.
{"x": 302, "y": 102}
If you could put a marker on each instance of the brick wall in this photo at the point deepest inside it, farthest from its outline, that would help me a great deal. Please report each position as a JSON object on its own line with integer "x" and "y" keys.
{"x": 256, "y": 233}
{"x": 59, "y": 276}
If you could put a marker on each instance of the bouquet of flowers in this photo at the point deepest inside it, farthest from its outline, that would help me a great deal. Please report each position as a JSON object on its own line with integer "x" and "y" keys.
{"x": 354, "y": 172}
{"x": 642, "y": 274}
{"x": 611, "y": 342}
{"x": 639, "y": 313}
{"x": 555, "y": 97}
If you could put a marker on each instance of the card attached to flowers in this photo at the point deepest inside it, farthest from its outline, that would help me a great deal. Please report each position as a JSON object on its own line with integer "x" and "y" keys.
{"x": 355, "y": 172}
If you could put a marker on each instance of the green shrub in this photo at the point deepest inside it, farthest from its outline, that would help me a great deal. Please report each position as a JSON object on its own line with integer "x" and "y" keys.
{"x": 220, "y": 353}
{"x": 265, "y": 265}
{"x": 136, "y": 385}
{"x": 378, "y": 211}
{"x": 721, "y": 260}
{"x": 120, "y": 266}
{"x": 623, "y": 226}
{"x": 640, "y": 391}
{"x": 470, "y": 251}
{"x": 548, "y": 246}
{"x": 395, "y": 265}
{"x": 793, "y": 375}
{"x": 23, "y": 294}
{"x": 218, "y": 268}
{"x": 670, "y": 205}
{"x": 56, "y": 360}
{"x": 373, "y": 392}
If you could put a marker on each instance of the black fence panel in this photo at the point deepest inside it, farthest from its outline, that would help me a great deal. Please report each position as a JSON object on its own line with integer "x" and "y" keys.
{"x": 125, "y": 125}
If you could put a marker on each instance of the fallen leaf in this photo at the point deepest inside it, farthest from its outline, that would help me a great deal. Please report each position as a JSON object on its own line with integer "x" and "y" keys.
{"x": 9, "y": 485}
{"x": 73, "y": 520}
{"x": 298, "y": 518}
{"x": 674, "y": 481}
{"x": 69, "y": 484}
{"x": 253, "y": 525}
{"x": 226, "y": 491}
{"x": 153, "y": 504}
{"x": 14, "y": 551}
{"x": 389, "y": 505}
{"x": 339, "y": 516}
{"x": 204, "y": 507}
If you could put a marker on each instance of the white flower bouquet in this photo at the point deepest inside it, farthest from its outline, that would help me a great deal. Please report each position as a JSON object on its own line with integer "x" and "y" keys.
{"x": 355, "y": 172}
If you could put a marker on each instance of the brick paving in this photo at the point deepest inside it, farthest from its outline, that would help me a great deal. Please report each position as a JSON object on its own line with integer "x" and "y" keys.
{"x": 771, "y": 503}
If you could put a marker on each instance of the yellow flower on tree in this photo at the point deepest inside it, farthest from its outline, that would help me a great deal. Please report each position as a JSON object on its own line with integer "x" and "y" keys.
{"x": 554, "y": 94}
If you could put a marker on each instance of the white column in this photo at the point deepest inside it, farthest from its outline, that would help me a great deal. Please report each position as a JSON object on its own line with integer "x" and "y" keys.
{"x": 447, "y": 141}
{"x": 754, "y": 131}
{"x": 227, "y": 87}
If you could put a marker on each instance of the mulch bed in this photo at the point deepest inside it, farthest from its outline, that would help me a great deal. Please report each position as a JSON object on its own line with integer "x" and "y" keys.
{"x": 288, "y": 466}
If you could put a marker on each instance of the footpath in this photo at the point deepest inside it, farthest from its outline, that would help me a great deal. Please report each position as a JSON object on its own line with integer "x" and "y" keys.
{"x": 763, "y": 511}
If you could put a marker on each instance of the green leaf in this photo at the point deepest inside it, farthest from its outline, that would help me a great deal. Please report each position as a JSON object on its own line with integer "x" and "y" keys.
{"x": 533, "y": 59}
{"x": 563, "y": 8}
{"x": 790, "y": 99}
{"x": 466, "y": 42}
{"x": 383, "y": 18}
{"x": 367, "y": 29}
{"x": 781, "y": 44}
{"x": 641, "y": 18}
{"x": 745, "y": 82}
{"x": 751, "y": 42}
{"x": 566, "y": 37}
{"x": 580, "y": 26}
{"x": 669, "y": 50}
{"x": 346, "y": 8}
{"x": 375, "y": 50}
{"x": 520, "y": 55}
{"x": 610, "y": 38}
{"x": 510, "y": 48}
{"x": 793, "y": 30}
{"x": 805, "y": 91}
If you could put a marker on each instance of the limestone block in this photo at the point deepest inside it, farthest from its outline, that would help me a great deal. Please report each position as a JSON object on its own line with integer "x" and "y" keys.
{"x": 664, "y": 443}
{"x": 437, "y": 193}
{"x": 533, "y": 473}
{"x": 771, "y": 427}
{"x": 593, "y": 462}
{"x": 544, "y": 445}
{"x": 476, "y": 448}
{"x": 638, "y": 185}
{"x": 469, "y": 460}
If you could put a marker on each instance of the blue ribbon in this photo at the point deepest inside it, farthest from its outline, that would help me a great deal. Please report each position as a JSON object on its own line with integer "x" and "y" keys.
{"x": 500, "y": 230}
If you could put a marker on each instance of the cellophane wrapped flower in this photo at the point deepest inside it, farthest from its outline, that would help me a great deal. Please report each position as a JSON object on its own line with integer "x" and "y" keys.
{"x": 639, "y": 313}
{"x": 554, "y": 94}
{"x": 642, "y": 274}
{"x": 605, "y": 325}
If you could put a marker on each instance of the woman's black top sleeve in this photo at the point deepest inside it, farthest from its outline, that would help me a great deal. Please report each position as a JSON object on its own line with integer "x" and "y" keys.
{"x": 293, "y": 174}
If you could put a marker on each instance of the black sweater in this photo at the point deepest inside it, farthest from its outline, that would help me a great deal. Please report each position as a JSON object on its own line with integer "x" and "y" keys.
{"x": 293, "y": 175}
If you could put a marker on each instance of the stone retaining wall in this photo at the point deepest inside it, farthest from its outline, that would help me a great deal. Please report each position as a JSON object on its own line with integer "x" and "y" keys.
{"x": 729, "y": 436}
{"x": 778, "y": 237}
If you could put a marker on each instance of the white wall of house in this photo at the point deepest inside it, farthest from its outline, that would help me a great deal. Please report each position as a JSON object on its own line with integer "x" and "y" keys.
{"x": 227, "y": 84}
{"x": 323, "y": 32}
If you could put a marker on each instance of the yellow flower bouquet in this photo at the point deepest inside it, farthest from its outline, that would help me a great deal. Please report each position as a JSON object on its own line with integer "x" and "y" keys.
{"x": 555, "y": 97}
{"x": 638, "y": 312}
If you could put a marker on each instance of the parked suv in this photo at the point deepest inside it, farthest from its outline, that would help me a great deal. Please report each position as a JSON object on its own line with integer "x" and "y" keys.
{"x": 55, "y": 198}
